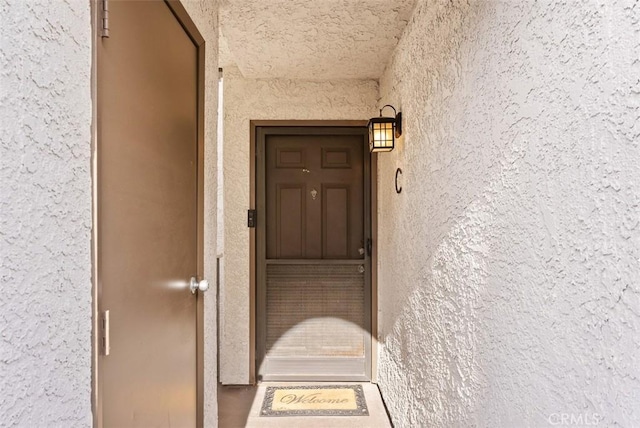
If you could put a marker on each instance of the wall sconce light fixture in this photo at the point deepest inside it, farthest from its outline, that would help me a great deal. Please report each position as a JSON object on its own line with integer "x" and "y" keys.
{"x": 384, "y": 130}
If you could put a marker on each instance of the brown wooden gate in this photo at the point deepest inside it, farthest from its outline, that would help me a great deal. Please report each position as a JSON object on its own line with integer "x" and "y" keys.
{"x": 149, "y": 88}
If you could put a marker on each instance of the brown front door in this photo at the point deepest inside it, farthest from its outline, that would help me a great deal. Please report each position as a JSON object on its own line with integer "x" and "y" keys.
{"x": 147, "y": 217}
{"x": 313, "y": 263}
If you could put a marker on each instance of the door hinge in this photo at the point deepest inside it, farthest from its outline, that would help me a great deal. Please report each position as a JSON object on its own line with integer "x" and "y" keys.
{"x": 251, "y": 218}
{"x": 104, "y": 9}
{"x": 104, "y": 338}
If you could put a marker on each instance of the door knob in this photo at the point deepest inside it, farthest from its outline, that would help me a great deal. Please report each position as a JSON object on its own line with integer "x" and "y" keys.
{"x": 195, "y": 285}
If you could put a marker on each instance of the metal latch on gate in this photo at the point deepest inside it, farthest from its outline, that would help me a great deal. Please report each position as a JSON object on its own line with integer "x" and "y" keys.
{"x": 251, "y": 218}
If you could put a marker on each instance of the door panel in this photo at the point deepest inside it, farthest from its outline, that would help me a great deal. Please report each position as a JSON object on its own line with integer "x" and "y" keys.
{"x": 314, "y": 196}
{"x": 147, "y": 216}
{"x": 336, "y": 202}
{"x": 290, "y": 216}
{"x": 313, "y": 273}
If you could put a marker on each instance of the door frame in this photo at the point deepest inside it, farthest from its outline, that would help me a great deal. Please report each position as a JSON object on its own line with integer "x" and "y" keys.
{"x": 373, "y": 211}
{"x": 190, "y": 28}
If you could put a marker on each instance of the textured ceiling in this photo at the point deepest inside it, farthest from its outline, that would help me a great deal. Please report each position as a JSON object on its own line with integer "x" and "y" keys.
{"x": 311, "y": 39}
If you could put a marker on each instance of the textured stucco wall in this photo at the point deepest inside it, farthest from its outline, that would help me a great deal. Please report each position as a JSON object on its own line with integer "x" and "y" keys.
{"x": 45, "y": 213}
{"x": 204, "y": 14}
{"x": 313, "y": 40}
{"x": 268, "y": 99}
{"x": 510, "y": 263}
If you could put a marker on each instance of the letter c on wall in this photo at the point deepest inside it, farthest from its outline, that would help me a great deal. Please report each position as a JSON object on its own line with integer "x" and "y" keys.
{"x": 398, "y": 188}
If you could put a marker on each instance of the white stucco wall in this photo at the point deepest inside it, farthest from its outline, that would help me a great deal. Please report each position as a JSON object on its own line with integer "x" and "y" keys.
{"x": 204, "y": 14}
{"x": 268, "y": 99}
{"x": 45, "y": 213}
{"x": 510, "y": 263}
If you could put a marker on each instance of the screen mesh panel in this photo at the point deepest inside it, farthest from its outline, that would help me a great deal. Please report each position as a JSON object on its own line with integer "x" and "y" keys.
{"x": 315, "y": 310}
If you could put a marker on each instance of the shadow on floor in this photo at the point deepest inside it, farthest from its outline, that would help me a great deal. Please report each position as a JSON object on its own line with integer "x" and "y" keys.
{"x": 234, "y": 405}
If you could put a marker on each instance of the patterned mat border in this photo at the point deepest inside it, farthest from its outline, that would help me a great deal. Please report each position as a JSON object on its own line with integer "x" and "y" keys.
{"x": 362, "y": 409}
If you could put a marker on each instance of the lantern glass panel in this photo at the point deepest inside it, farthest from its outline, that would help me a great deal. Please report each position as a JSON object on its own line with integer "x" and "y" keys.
{"x": 382, "y": 135}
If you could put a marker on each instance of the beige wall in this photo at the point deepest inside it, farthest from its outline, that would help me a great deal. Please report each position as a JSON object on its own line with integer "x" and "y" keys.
{"x": 45, "y": 213}
{"x": 509, "y": 268}
{"x": 246, "y": 100}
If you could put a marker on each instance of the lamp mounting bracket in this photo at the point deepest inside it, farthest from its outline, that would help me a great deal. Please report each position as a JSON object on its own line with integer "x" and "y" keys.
{"x": 395, "y": 113}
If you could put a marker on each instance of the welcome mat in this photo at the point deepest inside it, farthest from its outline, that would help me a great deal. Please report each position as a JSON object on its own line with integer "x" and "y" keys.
{"x": 329, "y": 400}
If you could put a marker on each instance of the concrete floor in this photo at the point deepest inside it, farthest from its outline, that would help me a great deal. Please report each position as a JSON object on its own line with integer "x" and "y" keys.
{"x": 239, "y": 407}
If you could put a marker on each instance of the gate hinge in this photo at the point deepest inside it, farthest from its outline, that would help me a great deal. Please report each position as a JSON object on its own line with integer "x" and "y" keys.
{"x": 104, "y": 30}
{"x": 251, "y": 218}
{"x": 104, "y": 337}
